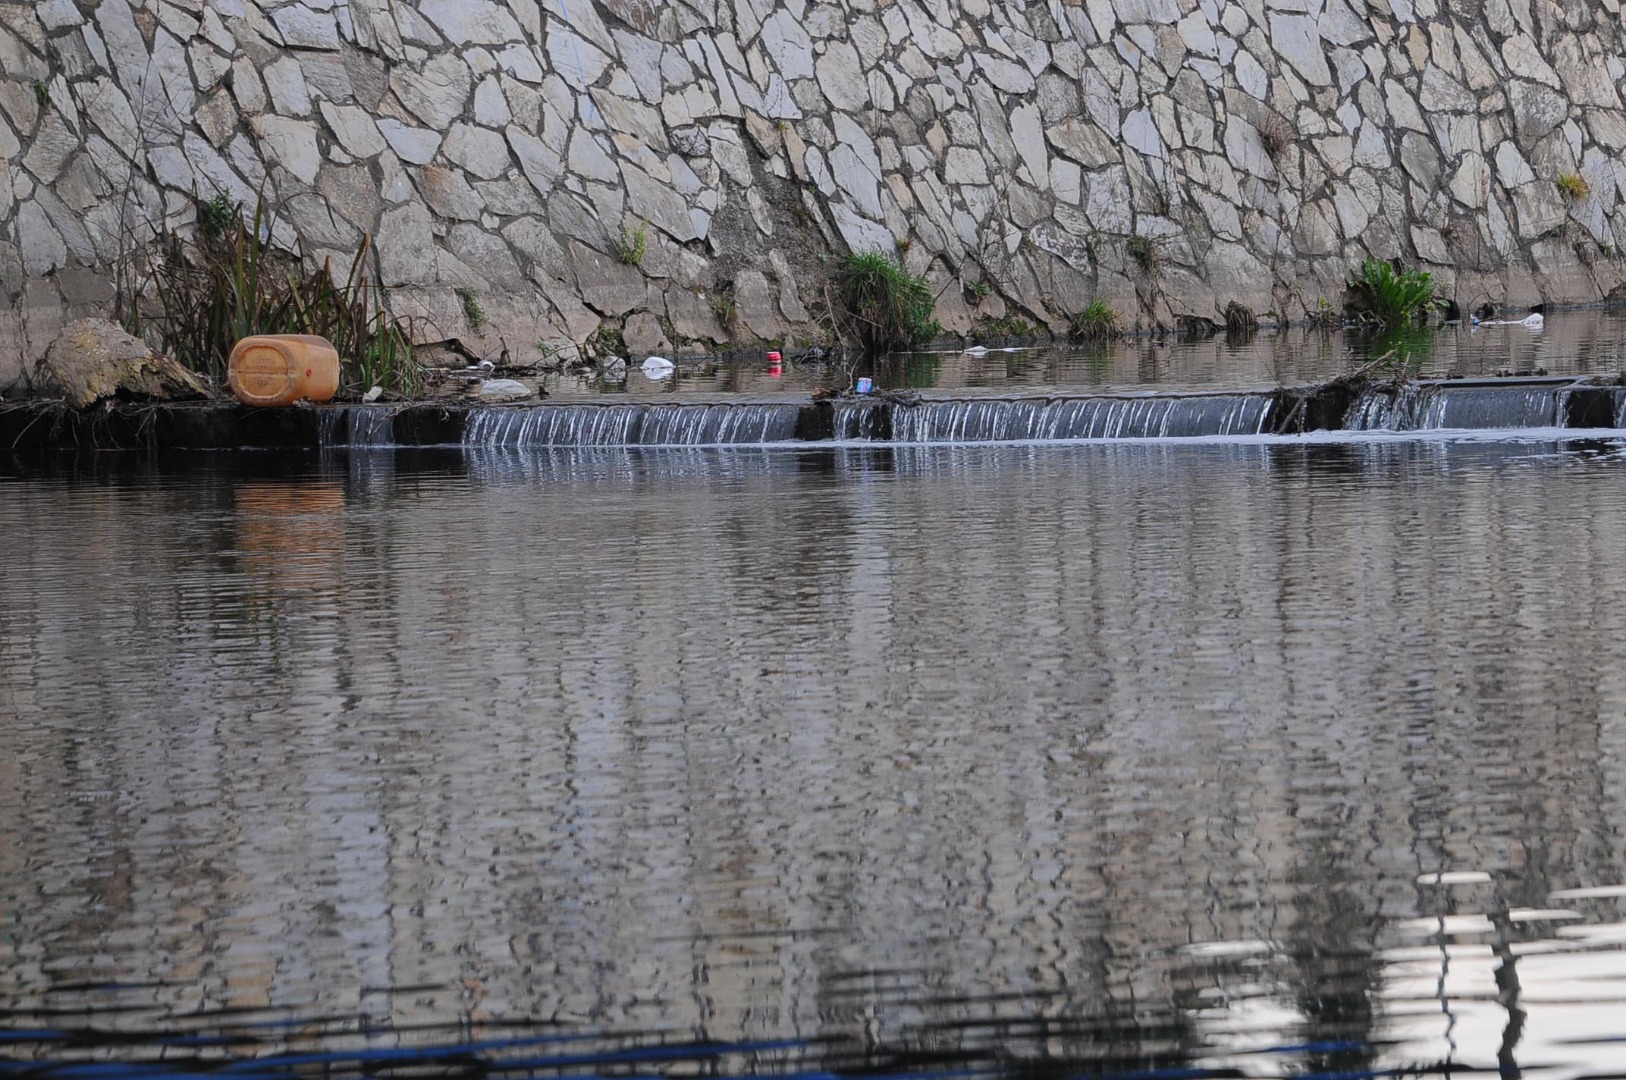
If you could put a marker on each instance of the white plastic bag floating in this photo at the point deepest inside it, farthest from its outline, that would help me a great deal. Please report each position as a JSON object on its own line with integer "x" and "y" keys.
{"x": 658, "y": 367}
{"x": 1533, "y": 321}
{"x": 496, "y": 390}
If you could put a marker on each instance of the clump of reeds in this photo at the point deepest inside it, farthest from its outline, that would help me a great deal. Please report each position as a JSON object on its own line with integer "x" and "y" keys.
{"x": 202, "y": 294}
{"x": 1397, "y": 297}
{"x": 881, "y": 305}
{"x": 1097, "y": 322}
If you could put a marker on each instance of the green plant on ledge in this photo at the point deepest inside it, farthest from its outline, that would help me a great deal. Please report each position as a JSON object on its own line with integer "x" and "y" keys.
{"x": 1097, "y": 322}
{"x": 1574, "y": 185}
{"x": 1143, "y": 253}
{"x": 1004, "y": 326}
{"x": 1323, "y": 316}
{"x": 976, "y": 292}
{"x": 633, "y": 246}
{"x": 1240, "y": 319}
{"x": 217, "y": 215}
{"x": 471, "y": 308}
{"x": 208, "y": 292}
{"x": 1397, "y": 297}
{"x": 728, "y": 312}
{"x": 880, "y": 305}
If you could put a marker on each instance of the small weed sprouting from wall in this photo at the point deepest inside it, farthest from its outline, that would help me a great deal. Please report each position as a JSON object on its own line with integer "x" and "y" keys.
{"x": 472, "y": 310}
{"x": 1143, "y": 254}
{"x": 1323, "y": 316}
{"x": 728, "y": 312}
{"x": 880, "y": 305}
{"x": 607, "y": 341}
{"x": 976, "y": 292}
{"x": 198, "y": 297}
{"x": 1096, "y": 323}
{"x": 1397, "y": 297}
{"x": 1574, "y": 185}
{"x": 633, "y": 246}
{"x": 991, "y": 328}
{"x": 216, "y": 216}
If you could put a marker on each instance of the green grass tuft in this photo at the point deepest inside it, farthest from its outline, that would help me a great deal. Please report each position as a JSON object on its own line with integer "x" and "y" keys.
{"x": 728, "y": 312}
{"x": 633, "y": 246}
{"x": 1143, "y": 253}
{"x": 1397, "y": 296}
{"x": 216, "y": 216}
{"x": 472, "y": 310}
{"x": 882, "y": 306}
{"x": 1097, "y": 322}
{"x": 1574, "y": 185}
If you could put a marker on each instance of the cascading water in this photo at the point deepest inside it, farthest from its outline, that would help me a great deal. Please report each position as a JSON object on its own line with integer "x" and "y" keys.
{"x": 1434, "y": 407}
{"x": 554, "y": 425}
{"x": 705, "y": 425}
{"x": 357, "y": 425}
{"x": 861, "y": 418}
{"x": 372, "y": 427}
{"x": 1039, "y": 419}
{"x": 632, "y": 424}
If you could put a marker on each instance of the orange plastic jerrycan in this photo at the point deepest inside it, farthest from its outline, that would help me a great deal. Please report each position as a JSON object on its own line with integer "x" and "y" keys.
{"x": 280, "y": 369}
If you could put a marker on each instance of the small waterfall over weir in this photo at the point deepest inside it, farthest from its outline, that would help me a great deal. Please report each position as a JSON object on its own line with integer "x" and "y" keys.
{"x": 898, "y": 420}
{"x": 1041, "y": 419}
{"x": 1437, "y": 406}
{"x": 862, "y": 418}
{"x": 632, "y": 424}
{"x": 357, "y": 425}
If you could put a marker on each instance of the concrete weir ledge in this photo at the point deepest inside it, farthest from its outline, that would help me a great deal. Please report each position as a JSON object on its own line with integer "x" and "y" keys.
{"x": 1343, "y": 404}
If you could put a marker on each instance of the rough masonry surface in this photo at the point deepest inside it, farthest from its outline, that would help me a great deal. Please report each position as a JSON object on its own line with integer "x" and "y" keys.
{"x": 1168, "y": 156}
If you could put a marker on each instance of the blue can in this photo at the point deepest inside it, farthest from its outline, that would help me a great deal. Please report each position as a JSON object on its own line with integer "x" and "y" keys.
{"x": 865, "y": 386}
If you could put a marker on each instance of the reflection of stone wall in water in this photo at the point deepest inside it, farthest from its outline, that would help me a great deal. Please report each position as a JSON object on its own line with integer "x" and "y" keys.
{"x": 511, "y": 148}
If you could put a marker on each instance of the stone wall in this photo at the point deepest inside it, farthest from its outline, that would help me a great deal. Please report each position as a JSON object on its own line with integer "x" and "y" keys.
{"x": 1166, "y": 155}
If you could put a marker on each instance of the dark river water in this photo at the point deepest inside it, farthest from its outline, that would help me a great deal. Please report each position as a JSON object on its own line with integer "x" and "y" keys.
{"x": 1231, "y": 759}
